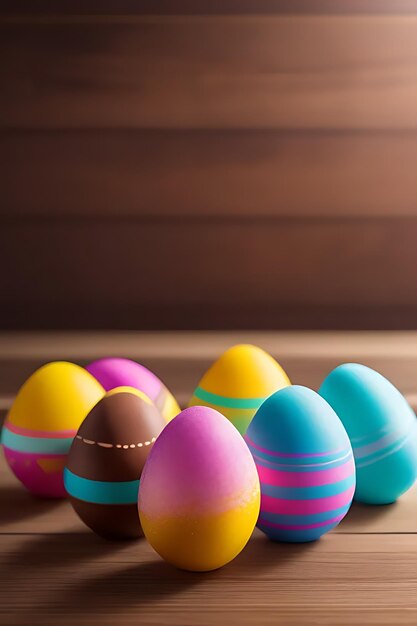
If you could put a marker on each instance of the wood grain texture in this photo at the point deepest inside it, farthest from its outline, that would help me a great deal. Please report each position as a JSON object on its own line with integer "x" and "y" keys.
{"x": 339, "y": 580}
{"x": 352, "y": 72}
{"x": 187, "y": 137}
{"x": 54, "y": 570}
{"x": 205, "y": 273}
{"x": 208, "y": 173}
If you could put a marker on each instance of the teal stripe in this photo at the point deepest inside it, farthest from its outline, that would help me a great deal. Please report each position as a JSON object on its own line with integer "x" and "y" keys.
{"x": 35, "y": 445}
{"x": 100, "y": 492}
{"x": 370, "y": 438}
{"x": 228, "y": 403}
{"x": 378, "y": 453}
{"x": 297, "y": 464}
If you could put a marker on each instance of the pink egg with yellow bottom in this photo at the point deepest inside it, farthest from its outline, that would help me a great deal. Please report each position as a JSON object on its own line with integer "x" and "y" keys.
{"x": 43, "y": 422}
{"x": 199, "y": 493}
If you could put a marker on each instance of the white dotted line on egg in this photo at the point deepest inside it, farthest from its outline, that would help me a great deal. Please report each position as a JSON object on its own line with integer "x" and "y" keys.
{"x": 125, "y": 446}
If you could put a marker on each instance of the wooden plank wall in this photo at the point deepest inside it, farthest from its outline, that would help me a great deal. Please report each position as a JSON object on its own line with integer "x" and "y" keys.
{"x": 208, "y": 164}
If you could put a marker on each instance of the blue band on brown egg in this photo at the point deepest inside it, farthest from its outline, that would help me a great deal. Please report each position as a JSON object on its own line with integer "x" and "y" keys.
{"x": 101, "y": 492}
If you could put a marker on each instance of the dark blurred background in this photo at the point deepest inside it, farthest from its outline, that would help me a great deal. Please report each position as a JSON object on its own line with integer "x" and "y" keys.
{"x": 207, "y": 164}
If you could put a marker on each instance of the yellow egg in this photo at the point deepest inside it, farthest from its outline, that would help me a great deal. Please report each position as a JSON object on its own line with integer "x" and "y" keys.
{"x": 239, "y": 382}
{"x": 42, "y": 422}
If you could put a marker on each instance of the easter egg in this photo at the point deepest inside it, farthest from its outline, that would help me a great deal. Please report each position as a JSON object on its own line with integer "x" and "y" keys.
{"x": 305, "y": 465}
{"x": 199, "y": 493}
{"x": 43, "y": 421}
{"x": 106, "y": 459}
{"x": 116, "y": 372}
{"x": 238, "y": 382}
{"x": 382, "y": 429}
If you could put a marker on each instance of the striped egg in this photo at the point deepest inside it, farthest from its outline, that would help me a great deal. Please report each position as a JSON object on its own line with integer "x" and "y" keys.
{"x": 382, "y": 428}
{"x": 238, "y": 382}
{"x": 117, "y": 372}
{"x": 106, "y": 460}
{"x": 43, "y": 421}
{"x": 305, "y": 465}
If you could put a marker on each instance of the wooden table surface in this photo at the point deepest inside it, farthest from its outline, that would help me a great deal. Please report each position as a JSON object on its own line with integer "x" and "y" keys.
{"x": 55, "y": 571}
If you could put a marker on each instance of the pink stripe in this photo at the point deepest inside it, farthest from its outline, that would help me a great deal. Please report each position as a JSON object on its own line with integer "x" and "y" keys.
{"x": 334, "y": 520}
{"x": 47, "y": 434}
{"x": 306, "y": 507}
{"x": 290, "y": 456}
{"x": 34, "y": 456}
{"x": 278, "y": 478}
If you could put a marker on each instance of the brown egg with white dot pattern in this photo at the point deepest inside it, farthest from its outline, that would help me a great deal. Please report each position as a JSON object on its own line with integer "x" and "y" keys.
{"x": 106, "y": 459}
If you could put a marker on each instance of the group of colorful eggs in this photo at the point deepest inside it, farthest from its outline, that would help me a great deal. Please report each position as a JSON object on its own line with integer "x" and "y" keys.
{"x": 251, "y": 449}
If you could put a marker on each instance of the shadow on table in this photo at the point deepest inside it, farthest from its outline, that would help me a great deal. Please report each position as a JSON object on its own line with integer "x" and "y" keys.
{"x": 150, "y": 582}
{"x": 365, "y": 515}
{"x": 45, "y": 551}
{"x": 95, "y": 577}
{"x": 133, "y": 585}
{"x": 17, "y": 504}
{"x": 46, "y": 560}
{"x": 77, "y": 561}
{"x": 262, "y": 553}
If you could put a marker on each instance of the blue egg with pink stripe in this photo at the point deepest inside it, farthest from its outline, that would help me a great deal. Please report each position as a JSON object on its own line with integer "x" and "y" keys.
{"x": 305, "y": 464}
{"x": 382, "y": 428}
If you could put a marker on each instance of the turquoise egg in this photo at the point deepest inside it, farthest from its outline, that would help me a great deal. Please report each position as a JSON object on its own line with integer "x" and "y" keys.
{"x": 382, "y": 428}
{"x": 305, "y": 465}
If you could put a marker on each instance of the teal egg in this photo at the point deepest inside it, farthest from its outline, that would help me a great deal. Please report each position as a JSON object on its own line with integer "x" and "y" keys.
{"x": 382, "y": 429}
{"x": 305, "y": 465}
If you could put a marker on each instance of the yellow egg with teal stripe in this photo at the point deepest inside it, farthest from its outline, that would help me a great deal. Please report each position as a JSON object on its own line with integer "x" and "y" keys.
{"x": 239, "y": 382}
{"x": 42, "y": 422}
